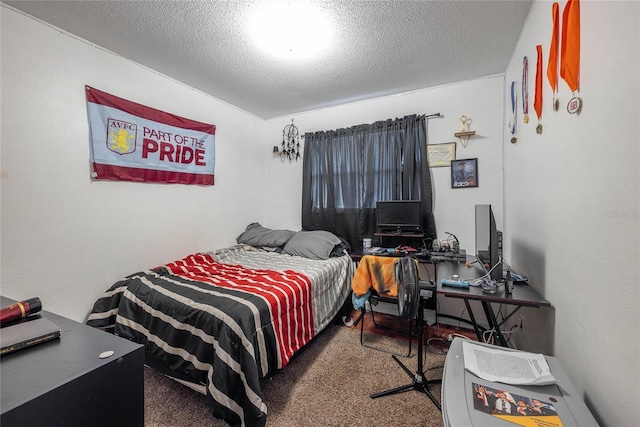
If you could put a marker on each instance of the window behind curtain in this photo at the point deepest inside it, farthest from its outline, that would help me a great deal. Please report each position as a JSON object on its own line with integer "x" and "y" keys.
{"x": 346, "y": 171}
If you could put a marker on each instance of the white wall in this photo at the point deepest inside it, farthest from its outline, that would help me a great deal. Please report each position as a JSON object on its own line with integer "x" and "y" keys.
{"x": 66, "y": 239}
{"x": 480, "y": 100}
{"x": 572, "y": 205}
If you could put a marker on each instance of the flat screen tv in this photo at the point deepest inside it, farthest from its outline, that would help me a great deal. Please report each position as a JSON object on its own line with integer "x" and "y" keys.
{"x": 488, "y": 241}
{"x": 399, "y": 215}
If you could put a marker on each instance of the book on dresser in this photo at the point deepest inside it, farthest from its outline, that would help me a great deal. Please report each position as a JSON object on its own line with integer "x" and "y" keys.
{"x": 28, "y": 332}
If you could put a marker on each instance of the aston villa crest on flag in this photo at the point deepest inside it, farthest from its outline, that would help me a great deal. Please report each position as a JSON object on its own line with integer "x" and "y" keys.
{"x": 121, "y": 136}
{"x": 132, "y": 142}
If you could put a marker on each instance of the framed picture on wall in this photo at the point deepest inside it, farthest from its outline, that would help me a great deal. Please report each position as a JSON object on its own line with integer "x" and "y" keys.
{"x": 464, "y": 173}
{"x": 440, "y": 155}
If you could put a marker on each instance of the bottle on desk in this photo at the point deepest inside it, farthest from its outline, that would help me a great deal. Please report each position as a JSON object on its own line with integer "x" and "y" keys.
{"x": 508, "y": 283}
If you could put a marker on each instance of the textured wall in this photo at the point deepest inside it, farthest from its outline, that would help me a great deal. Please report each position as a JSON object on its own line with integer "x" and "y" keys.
{"x": 67, "y": 239}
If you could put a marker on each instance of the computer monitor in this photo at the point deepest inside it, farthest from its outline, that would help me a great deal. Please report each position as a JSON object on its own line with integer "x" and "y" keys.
{"x": 399, "y": 215}
{"x": 488, "y": 241}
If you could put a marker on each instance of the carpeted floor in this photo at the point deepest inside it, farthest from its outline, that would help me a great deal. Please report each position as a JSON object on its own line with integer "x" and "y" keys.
{"x": 328, "y": 384}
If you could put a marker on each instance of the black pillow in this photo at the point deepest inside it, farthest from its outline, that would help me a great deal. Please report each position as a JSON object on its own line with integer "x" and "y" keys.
{"x": 340, "y": 248}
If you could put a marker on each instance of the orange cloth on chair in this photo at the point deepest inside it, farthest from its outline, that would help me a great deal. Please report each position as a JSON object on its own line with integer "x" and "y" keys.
{"x": 377, "y": 272}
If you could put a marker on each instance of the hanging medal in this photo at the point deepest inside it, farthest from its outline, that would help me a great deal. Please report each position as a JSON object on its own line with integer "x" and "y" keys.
{"x": 525, "y": 89}
{"x": 570, "y": 53}
{"x": 514, "y": 105}
{"x": 537, "y": 102}
{"x": 552, "y": 67}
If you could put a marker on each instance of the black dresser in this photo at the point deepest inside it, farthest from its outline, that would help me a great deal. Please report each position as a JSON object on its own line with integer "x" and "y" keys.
{"x": 65, "y": 382}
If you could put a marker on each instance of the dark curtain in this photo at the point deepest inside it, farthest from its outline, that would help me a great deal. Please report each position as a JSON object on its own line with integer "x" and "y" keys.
{"x": 346, "y": 171}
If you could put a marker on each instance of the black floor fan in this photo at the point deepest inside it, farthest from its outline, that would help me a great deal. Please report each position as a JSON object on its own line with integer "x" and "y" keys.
{"x": 411, "y": 305}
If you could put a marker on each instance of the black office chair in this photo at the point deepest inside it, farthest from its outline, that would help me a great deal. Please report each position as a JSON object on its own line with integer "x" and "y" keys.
{"x": 373, "y": 300}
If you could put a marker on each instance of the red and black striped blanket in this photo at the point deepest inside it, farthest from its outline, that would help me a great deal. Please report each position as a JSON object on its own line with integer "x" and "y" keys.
{"x": 226, "y": 325}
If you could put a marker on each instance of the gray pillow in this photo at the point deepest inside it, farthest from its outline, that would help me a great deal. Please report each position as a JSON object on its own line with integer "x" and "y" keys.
{"x": 257, "y": 235}
{"x": 312, "y": 244}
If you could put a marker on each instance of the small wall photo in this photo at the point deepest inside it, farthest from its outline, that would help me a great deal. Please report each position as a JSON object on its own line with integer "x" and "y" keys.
{"x": 464, "y": 173}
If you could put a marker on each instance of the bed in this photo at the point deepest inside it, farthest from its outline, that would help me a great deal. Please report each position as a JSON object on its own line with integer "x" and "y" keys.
{"x": 228, "y": 319}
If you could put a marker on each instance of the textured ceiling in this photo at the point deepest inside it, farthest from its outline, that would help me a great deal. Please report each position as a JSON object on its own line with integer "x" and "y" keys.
{"x": 379, "y": 47}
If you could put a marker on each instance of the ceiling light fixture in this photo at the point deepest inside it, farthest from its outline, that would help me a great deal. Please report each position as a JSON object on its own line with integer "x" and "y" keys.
{"x": 290, "y": 30}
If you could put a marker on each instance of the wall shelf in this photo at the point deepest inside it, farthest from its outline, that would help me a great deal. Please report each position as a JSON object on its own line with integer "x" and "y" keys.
{"x": 401, "y": 234}
{"x": 464, "y": 136}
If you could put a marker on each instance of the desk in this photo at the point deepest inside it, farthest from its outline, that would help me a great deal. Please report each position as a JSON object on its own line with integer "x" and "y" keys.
{"x": 64, "y": 382}
{"x": 523, "y": 295}
{"x": 357, "y": 255}
{"x": 458, "y": 405}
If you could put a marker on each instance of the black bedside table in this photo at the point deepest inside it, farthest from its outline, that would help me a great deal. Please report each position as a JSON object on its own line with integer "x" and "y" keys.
{"x": 64, "y": 382}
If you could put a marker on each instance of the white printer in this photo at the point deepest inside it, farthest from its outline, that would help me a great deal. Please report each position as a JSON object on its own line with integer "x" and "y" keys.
{"x": 468, "y": 400}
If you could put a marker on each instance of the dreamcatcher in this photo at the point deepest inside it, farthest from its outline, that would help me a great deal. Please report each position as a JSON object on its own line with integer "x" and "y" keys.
{"x": 290, "y": 148}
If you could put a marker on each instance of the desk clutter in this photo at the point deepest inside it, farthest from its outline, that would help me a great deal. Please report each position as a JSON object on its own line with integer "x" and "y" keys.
{"x": 459, "y": 256}
{"x": 438, "y": 250}
{"x": 399, "y": 251}
{"x": 455, "y": 282}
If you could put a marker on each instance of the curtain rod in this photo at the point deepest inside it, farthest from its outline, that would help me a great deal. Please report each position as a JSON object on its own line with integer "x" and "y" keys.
{"x": 427, "y": 116}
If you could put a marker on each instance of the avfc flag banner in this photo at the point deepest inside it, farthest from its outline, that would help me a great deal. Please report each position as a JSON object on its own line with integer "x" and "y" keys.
{"x": 132, "y": 142}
